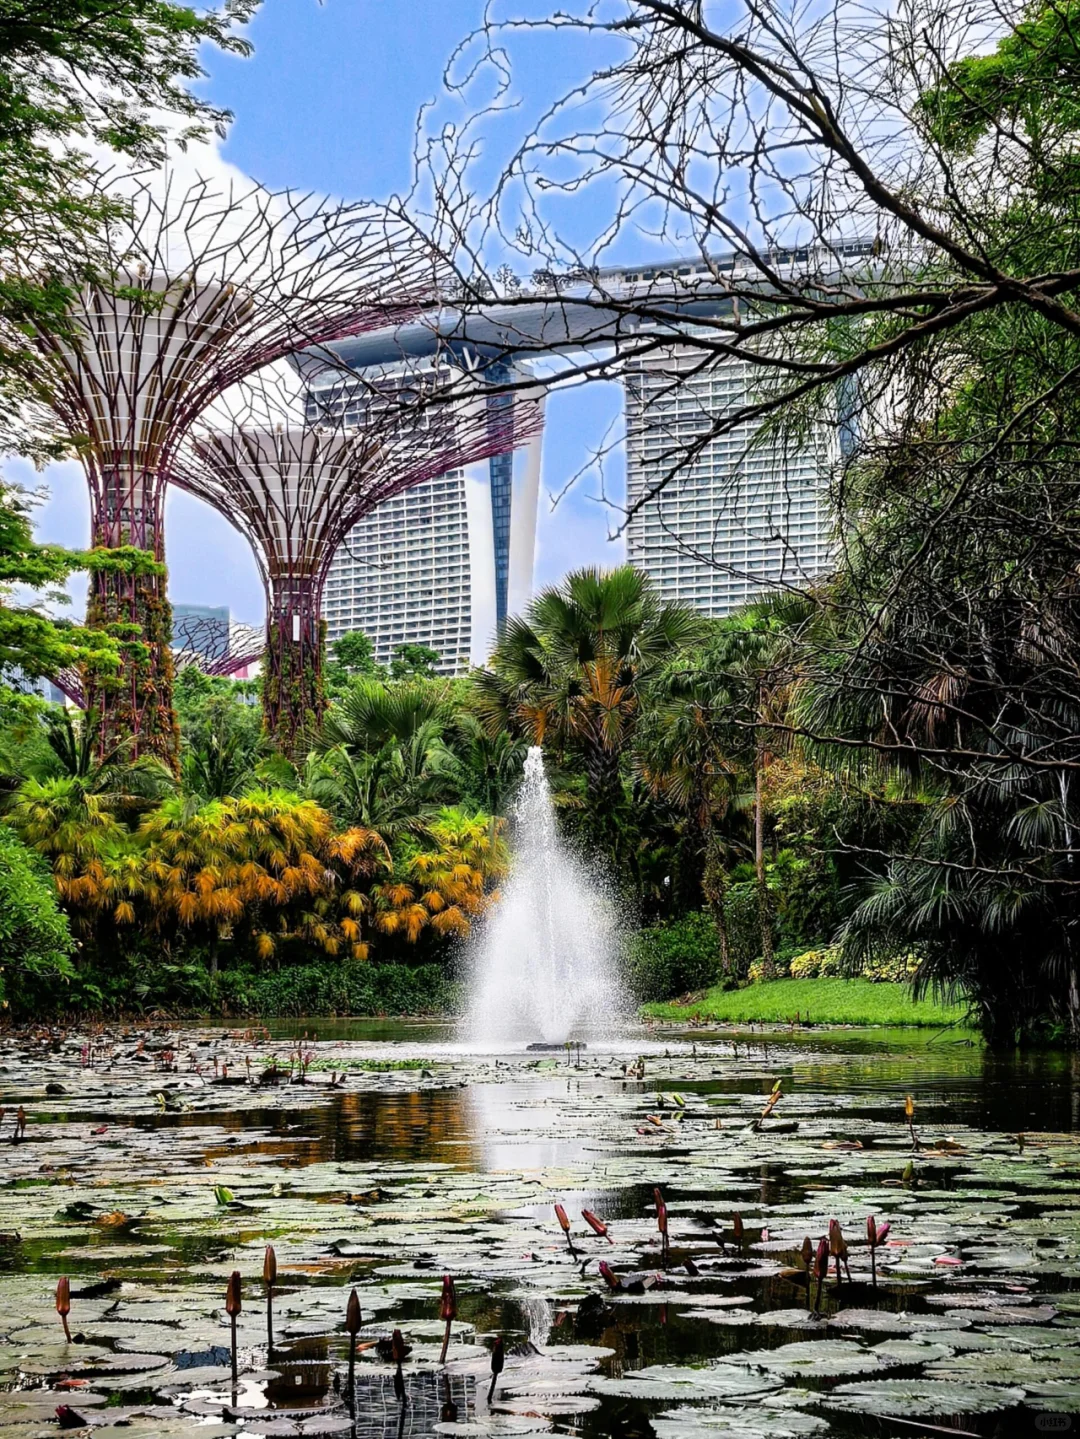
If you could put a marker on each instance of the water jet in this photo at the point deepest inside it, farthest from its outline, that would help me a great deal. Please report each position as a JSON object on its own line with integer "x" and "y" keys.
{"x": 545, "y": 965}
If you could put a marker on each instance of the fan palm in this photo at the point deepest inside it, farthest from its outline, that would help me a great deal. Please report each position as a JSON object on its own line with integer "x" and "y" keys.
{"x": 381, "y": 761}
{"x": 571, "y": 673}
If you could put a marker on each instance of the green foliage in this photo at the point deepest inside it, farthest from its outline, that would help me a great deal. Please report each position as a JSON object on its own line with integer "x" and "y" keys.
{"x": 341, "y": 989}
{"x": 352, "y": 656}
{"x": 673, "y": 958}
{"x": 31, "y": 643}
{"x": 414, "y": 662}
{"x": 35, "y": 942}
{"x": 73, "y": 71}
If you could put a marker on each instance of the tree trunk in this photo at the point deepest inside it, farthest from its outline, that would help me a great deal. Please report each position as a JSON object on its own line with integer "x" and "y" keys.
{"x": 134, "y": 705}
{"x": 293, "y": 696}
{"x": 764, "y": 916}
{"x": 714, "y": 883}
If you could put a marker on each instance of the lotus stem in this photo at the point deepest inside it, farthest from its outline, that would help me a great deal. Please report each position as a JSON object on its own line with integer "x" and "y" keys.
{"x": 662, "y": 1224}
{"x": 497, "y": 1362}
{"x": 63, "y": 1303}
{"x": 909, "y": 1114}
{"x": 564, "y": 1224}
{"x": 448, "y": 1310}
{"x": 232, "y": 1309}
{"x": 821, "y": 1268}
{"x": 397, "y": 1351}
{"x": 353, "y": 1321}
{"x": 269, "y": 1276}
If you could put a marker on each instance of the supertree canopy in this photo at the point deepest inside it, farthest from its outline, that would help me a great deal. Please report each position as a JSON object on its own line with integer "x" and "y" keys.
{"x": 295, "y": 479}
{"x": 205, "y": 284}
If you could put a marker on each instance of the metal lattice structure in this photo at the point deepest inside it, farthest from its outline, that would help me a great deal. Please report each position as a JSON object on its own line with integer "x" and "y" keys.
{"x": 295, "y": 480}
{"x": 208, "y": 284}
{"x": 244, "y": 646}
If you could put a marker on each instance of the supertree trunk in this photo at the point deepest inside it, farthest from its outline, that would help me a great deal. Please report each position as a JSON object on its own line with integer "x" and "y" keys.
{"x": 133, "y": 706}
{"x": 293, "y": 695}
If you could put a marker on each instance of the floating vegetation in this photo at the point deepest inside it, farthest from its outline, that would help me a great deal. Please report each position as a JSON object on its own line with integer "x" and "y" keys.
{"x": 396, "y": 1204}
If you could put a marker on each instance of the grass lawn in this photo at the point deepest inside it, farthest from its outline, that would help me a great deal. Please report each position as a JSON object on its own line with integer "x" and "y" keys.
{"x": 819, "y": 1001}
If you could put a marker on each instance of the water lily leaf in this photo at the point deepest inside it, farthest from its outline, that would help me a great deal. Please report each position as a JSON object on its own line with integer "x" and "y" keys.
{"x": 923, "y": 1398}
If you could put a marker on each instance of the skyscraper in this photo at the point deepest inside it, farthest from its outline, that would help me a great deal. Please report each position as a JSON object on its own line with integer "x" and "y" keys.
{"x": 743, "y": 517}
{"x": 441, "y": 564}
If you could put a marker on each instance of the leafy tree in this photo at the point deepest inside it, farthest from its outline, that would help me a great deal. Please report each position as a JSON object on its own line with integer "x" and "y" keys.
{"x": 446, "y": 886}
{"x": 412, "y": 662}
{"x": 355, "y": 653}
{"x": 35, "y": 942}
{"x": 33, "y": 644}
{"x": 73, "y": 72}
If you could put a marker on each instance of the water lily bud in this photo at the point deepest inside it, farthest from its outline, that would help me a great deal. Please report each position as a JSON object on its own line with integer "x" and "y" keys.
{"x": 397, "y": 1347}
{"x": 232, "y": 1295}
{"x": 909, "y": 1107}
{"x": 497, "y": 1357}
{"x": 871, "y": 1230}
{"x": 63, "y": 1296}
{"x": 883, "y": 1233}
{"x": 661, "y": 1211}
{"x": 821, "y": 1259}
{"x": 561, "y": 1216}
{"x": 269, "y": 1266}
{"x": 448, "y": 1307}
{"x": 737, "y": 1228}
{"x": 596, "y": 1225}
{"x": 609, "y": 1277}
{"x": 807, "y": 1251}
{"x": 353, "y": 1317}
{"x": 836, "y": 1238}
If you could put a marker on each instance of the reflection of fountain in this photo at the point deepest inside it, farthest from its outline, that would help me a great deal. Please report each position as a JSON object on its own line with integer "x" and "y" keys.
{"x": 545, "y": 965}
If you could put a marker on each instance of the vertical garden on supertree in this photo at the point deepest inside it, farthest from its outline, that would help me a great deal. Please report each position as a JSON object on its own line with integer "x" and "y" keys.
{"x": 295, "y": 475}
{"x": 203, "y": 285}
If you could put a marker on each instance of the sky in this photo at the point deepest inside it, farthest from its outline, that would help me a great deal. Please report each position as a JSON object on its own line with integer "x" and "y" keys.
{"x": 328, "y": 102}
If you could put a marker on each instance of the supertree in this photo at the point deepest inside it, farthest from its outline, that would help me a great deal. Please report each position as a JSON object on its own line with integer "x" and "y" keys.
{"x": 212, "y": 646}
{"x": 294, "y": 478}
{"x": 201, "y": 285}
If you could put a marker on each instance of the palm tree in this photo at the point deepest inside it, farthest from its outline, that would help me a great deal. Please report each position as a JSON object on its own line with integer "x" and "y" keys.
{"x": 492, "y": 764}
{"x": 446, "y": 886}
{"x": 268, "y": 861}
{"x": 571, "y": 673}
{"x": 381, "y": 761}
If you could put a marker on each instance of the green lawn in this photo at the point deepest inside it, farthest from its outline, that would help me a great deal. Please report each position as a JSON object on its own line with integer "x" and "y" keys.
{"x": 819, "y": 1001}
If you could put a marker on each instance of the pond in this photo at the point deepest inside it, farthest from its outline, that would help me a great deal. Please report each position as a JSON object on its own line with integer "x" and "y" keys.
{"x": 379, "y": 1157}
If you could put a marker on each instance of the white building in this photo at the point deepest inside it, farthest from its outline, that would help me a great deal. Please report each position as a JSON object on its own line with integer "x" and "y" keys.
{"x": 741, "y": 519}
{"x": 441, "y": 564}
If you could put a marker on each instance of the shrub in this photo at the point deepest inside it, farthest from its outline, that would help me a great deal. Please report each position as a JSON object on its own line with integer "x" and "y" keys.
{"x": 343, "y": 988}
{"x": 35, "y": 942}
{"x": 806, "y": 966}
{"x": 673, "y": 958}
{"x": 829, "y": 967}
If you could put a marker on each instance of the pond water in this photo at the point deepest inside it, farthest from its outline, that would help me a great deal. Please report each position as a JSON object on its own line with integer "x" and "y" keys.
{"x": 154, "y": 1163}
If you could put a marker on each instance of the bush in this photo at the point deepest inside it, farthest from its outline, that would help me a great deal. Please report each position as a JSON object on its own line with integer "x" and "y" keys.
{"x": 806, "y": 966}
{"x": 345, "y": 987}
{"x": 673, "y": 958}
{"x": 35, "y": 942}
{"x": 182, "y": 987}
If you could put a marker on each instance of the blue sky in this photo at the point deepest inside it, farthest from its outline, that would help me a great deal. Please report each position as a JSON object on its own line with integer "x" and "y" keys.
{"x": 328, "y": 102}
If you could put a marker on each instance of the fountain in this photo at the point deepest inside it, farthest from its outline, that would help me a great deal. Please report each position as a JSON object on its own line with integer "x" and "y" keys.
{"x": 545, "y": 963}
